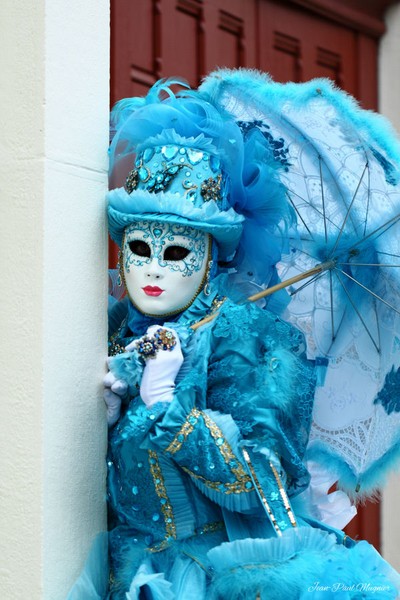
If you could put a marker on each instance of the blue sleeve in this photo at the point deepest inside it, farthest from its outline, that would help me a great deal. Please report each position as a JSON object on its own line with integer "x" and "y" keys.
{"x": 205, "y": 445}
{"x": 261, "y": 376}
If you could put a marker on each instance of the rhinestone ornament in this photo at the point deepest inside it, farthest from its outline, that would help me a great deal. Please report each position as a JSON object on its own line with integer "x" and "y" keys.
{"x": 211, "y": 189}
{"x": 163, "y": 339}
{"x": 131, "y": 181}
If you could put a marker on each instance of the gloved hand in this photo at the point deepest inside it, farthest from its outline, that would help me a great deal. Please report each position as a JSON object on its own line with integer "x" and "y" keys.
{"x": 113, "y": 404}
{"x": 115, "y": 390}
{"x": 334, "y": 508}
{"x": 159, "y": 374}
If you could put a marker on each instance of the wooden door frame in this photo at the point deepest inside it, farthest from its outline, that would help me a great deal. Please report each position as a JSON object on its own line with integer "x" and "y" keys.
{"x": 365, "y": 16}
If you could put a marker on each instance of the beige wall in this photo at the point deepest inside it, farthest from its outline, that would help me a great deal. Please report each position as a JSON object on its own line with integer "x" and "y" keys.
{"x": 389, "y": 103}
{"x": 21, "y": 321}
{"x": 54, "y": 122}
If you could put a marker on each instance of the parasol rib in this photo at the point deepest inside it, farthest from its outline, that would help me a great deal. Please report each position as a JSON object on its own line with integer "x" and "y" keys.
{"x": 377, "y": 324}
{"x": 368, "y": 201}
{"x": 299, "y": 215}
{"x": 332, "y": 315}
{"x": 311, "y": 205}
{"x": 370, "y": 291}
{"x": 388, "y": 224}
{"x": 349, "y": 209}
{"x": 312, "y": 280}
{"x": 302, "y": 251}
{"x": 354, "y": 264}
{"x": 357, "y": 311}
{"x": 311, "y": 142}
{"x": 340, "y": 325}
{"x": 323, "y": 197}
{"x": 388, "y": 254}
{"x": 283, "y": 284}
{"x": 330, "y": 264}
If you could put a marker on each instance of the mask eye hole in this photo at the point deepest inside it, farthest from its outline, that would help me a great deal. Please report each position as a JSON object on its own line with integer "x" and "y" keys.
{"x": 175, "y": 253}
{"x": 140, "y": 248}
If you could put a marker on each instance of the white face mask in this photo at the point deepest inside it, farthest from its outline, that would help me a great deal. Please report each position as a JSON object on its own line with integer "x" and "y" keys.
{"x": 165, "y": 266}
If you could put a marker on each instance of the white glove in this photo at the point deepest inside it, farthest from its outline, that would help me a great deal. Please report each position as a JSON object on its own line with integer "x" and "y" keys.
{"x": 115, "y": 390}
{"x": 113, "y": 404}
{"x": 118, "y": 386}
{"x": 335, "y": 508}
{"x": 159, "y": 374}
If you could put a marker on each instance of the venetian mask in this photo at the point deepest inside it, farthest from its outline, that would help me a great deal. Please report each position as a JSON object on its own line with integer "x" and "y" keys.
{"x": 164, "y": 266}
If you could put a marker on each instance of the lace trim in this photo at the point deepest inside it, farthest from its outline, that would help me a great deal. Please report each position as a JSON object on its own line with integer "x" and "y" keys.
{"x": 352, "y": 441}
{"x": 284, "y": 496}
{"x": 261, "y": 493}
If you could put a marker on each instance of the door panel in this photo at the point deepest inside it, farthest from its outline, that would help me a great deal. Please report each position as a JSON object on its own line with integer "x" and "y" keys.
{"x": 307, "y": 45}
{"x": 135, "y": 51}
{"x": 183, "y": 44}
{"x": 156, "y": 38}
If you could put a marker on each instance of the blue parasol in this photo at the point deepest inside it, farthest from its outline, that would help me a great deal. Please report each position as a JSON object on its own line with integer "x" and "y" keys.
{"x": 340, "y": 167}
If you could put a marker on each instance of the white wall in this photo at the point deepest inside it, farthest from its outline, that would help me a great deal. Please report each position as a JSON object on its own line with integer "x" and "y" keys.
{"x": 389, "y": 105}
{"x": 21, "y": 258}
{"x": 54, "y": 122}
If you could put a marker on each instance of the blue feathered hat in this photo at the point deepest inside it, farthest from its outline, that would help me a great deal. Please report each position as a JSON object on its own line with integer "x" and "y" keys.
{"x": 183, "y": 160}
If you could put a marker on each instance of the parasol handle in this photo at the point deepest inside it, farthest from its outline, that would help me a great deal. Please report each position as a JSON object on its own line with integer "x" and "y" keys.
{"x": 325, "y": 266}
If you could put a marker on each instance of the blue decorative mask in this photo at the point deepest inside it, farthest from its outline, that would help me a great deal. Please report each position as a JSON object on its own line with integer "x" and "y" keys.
{"x": 164, "y": 265}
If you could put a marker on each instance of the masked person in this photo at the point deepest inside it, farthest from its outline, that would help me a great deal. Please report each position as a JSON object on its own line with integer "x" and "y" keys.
{"x": 208, "y": 426}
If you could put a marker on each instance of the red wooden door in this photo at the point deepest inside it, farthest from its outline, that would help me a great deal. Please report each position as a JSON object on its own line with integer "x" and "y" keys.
{"x": 299, "y": 45}
{"x": 157, "y": 38}
{"x": 290, "y": 39}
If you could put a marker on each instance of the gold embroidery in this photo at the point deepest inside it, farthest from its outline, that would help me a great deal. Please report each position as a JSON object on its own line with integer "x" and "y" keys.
{"x": 243, "y": 482}
{"x": 225, "y": 449}
{"x": 186, "y": 429}
{"x": 284, "y": 496}
{"x": 210, "y": 527}
{"x": 161, "y": 492}
{"x": 158, "y": 547}
{"x": 207, "y": 528}
{"x": 261, "y": 492}
{"x": 217, "y": 303}
{"x": 228, "y": 488}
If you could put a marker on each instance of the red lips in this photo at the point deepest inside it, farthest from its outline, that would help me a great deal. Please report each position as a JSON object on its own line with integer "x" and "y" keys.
{"x": 152, "y": 290}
